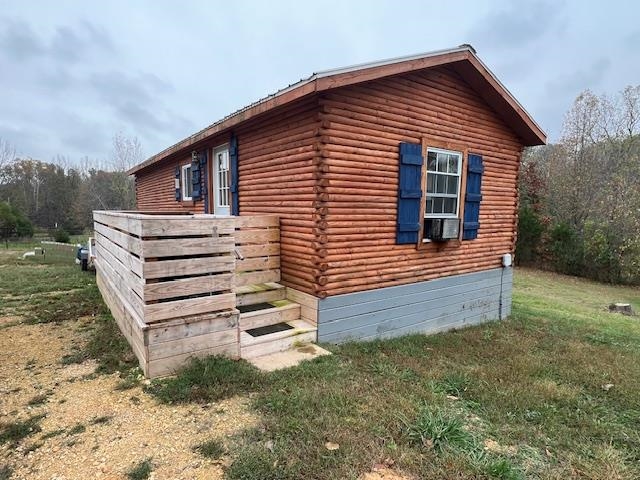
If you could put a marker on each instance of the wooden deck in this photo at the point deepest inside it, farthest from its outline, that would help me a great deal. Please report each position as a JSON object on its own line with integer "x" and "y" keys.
{"x": 172, "y": 282}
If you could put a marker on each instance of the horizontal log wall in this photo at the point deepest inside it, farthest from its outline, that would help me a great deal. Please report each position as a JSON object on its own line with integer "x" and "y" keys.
{"x": 155, "y": 189}
{"x": 277, "y": 158}
{"x": 361, "y": 128}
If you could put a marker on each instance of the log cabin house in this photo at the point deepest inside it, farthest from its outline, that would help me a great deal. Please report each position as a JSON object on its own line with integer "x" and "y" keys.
{"x": 395, "y": 186}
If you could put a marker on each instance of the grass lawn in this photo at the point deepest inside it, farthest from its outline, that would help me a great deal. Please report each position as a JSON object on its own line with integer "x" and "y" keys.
{"x": 553, "y": 392}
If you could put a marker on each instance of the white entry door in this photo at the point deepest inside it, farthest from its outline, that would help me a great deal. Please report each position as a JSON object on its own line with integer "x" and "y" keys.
{"x": 221, "y": 181}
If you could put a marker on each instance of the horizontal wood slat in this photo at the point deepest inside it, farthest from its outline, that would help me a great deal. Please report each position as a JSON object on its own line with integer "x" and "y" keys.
{"x": 178, "y": 275}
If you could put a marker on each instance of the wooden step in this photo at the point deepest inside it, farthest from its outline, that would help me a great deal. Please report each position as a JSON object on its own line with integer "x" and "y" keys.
{"x": 301, "y": 333}
{"x": 262, "y": 292}
{"x": 282, "y": 311}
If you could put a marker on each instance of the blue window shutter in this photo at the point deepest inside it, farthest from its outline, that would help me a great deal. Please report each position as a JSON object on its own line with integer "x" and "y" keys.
{"x": 177, "y": 183}
{"x": 233, "y": 187}
{"x": 409, "y": 193}
{"x": 203, "y": 174}
{"x": 473, "y": 197}
{"x": 196, "y": 181}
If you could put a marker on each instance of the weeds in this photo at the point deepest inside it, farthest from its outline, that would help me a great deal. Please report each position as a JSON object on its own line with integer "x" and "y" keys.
{"x": 213, "y": 449}
{"x": 6, "y": 472}
{"x": 140, "y": 471}
{"x": 207, "y": 380}
{"x": 77, "y": 429}
{"x": 14, "y": 432}
{"x": 435, "y": 430}
{"x": 39, "y": 399}
{"x": 53, "y": 433}
{"x": 101, "y": 420}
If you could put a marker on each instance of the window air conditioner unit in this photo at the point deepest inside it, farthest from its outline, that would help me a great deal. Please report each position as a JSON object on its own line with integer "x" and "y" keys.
{"x": 443, "y": 229}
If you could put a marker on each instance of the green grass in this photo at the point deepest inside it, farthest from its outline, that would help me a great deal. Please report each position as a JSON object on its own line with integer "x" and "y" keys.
{"x": 6, "y": 472}
{"x": 207, "y": 380}
{"x": 530, "y": 387}
{"x": 40, "y": 399}
{"x": 77, "y": 429}
{"x": 140, "y": 471}
{"x": 53, "y": 433}
{"x": 212, "y": 449}
{"x": 13, "y": 432}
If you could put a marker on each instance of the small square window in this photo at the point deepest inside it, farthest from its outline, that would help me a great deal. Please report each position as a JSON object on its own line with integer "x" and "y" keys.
{"x": 442, "y": 187}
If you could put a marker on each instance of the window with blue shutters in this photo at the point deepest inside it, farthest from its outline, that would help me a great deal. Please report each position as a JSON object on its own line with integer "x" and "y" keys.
{"x": 196, "y": 180}
{"x": 409, "y": 193}
{"x": 473, "y": 197}
{"x": 187, "y": 183}
{"x": 177, "y": 184}
{"x": 439, "y": 217}
{"x": 233, "y": 187}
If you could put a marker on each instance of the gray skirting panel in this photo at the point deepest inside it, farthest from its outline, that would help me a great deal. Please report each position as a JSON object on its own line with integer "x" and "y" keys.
{"x": 424, "y": 307}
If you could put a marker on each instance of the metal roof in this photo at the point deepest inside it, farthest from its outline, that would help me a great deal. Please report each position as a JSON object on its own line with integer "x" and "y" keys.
{"x": 324, "y": 74}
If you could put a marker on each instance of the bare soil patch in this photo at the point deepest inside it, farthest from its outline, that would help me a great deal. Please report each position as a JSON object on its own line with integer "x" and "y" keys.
{"x": 92, "y": 430}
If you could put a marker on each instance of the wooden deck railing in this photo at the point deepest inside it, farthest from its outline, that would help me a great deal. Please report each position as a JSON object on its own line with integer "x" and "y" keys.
{"x": 170, "y": 280}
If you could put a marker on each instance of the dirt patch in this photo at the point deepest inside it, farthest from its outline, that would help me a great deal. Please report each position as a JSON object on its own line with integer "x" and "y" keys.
{"x": 10, "y": 320}
{"x": 92, "y": 430}
{"x": 383, "y": 473}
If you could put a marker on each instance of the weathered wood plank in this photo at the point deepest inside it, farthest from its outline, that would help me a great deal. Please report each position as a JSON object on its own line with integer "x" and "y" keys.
{"x": 257, "y": 263}
{"x": 188, "y": 266}
{"x": 191, "y": 344}
{"x": 129, "y": 261}
{"x": 253, "y": 221}
{"x": 260, "y": 297}
{"x": 174, "y": 247}
{"x": 257, "y": 236}
{"x": 250, "y": 251}
{"x": 169, "y": 365}
{"x": 187, "y": 286}
{"x": 191, "y": 326}
{"x": 259, "y": 276}
{"x": 192, "y": 306}
{"x": 127, "y": 242}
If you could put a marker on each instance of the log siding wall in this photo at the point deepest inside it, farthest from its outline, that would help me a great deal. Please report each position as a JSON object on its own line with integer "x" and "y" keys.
{"x": 277, "y": 176}
{"x": 328, "y": 166}
{"x": 361, "y": 128}
{"x": 277, "y": 157}
{"x": 155, "y": 190}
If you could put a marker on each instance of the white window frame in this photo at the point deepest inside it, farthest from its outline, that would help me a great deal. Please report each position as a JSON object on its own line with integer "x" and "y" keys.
{"x": 458, "y": 196}
{"x": 223, "y": 186}
{"x": 183, "y": 179}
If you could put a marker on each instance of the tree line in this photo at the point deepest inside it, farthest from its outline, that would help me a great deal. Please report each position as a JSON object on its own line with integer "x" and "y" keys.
{"x": 60, "y": 197}
{"x": 579, "y": 207}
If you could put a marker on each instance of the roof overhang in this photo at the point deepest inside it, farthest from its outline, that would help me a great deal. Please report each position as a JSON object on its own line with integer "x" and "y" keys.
{"x": 462, "y": 59}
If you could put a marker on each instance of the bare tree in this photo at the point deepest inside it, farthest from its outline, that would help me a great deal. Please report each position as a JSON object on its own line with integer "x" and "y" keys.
{"x": 127, "y": 152}
{"x": 7, "y": 155}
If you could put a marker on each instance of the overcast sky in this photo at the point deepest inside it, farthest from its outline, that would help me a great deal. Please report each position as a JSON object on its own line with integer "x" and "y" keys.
{"x": 73, "y": 73}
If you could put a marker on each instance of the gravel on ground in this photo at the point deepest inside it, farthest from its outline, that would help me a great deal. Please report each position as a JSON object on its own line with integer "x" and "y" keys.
{"x": 92, "y": 430}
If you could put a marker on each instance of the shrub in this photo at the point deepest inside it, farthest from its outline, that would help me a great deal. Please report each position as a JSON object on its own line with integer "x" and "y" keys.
{"x": 601, "y": 253}
{"x": 13, "y": 222}
{"x": 530, "y": 230}
{"x": 61, "y": 235}
{"x": 567, "y": 249}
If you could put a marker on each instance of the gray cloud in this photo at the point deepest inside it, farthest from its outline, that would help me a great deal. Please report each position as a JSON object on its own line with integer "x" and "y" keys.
{"x": 571, "y": 83}
{"x": 518, "y": 24}
{"x": 71, "y": 76}
{"x": 18, "y": 41}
